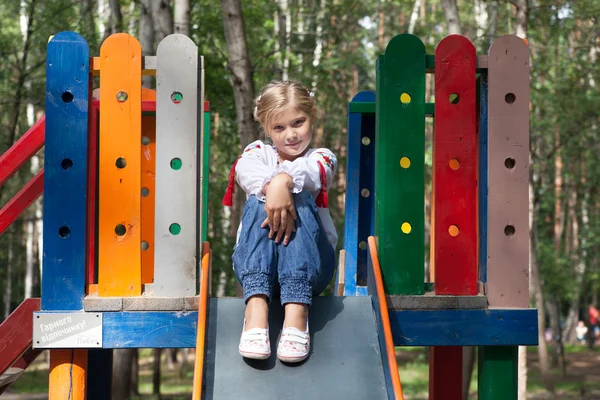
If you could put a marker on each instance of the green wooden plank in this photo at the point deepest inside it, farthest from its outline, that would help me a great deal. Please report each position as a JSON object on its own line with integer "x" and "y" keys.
{"x": 205, "y": 170}
{"x": 367, "y": 108}
{"x": 497, "y": 375}
{"x": 399, "y": 187}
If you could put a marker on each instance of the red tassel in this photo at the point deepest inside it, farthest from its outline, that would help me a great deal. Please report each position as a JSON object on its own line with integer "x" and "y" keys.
{"x": 228, "y": 198}
{"x": 322, "y": 199}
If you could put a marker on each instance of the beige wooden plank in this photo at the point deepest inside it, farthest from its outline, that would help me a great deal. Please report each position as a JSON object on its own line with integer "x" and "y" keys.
{"x": 508, "y": 173}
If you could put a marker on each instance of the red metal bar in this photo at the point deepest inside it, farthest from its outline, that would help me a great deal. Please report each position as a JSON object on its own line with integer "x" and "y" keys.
{"x": 30, "y": 192}
{"x": 22, "y": 150}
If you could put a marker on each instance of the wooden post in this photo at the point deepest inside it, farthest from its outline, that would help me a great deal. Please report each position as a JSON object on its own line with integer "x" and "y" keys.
{"x": 400, "y": 164}
{"x": 67, "y": 375}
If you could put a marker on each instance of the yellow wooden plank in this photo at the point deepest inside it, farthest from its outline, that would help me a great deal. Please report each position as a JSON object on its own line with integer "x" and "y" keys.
{"x": 148, "y": 188}
{"x": 119, "y": 233}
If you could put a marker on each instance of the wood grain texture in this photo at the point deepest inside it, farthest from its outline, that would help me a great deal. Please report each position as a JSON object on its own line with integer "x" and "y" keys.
{"x": 119, "y": 214}
{"x": 381, "y": 313}
{"x": 16, "y": 333}
{"x": 65, "y": 173}
{"x": 400, "y": 164}
{"x": 508, "y": 173}
{"x": 68, "y": 375}
{"x": 455, "y": 167}
{"x": 177, "y": 175}
{"x": 22, "y": 150}
{"x": 148, "y": 191}
{"x": 21, "y": 201}
{"x": 493, "y": 327}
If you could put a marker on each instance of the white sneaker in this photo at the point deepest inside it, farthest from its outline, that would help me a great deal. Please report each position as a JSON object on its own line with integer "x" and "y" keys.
{"x": 294, "y": 345}
{"x": 255, "y": 343}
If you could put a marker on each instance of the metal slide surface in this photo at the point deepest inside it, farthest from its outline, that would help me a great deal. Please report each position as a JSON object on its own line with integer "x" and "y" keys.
{"x": 345, "y": 360}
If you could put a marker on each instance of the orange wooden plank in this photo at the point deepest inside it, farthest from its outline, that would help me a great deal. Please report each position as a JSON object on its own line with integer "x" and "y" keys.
{"x": 148, "y": 156}
{"x": 119, "y": 232}
{"x": 67, "y": 375}
{"x": 385, "y": 320}
{"x": 201, "y": 329}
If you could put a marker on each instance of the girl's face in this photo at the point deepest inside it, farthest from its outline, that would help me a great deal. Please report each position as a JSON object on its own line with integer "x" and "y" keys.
{"x": 291, "y": 132}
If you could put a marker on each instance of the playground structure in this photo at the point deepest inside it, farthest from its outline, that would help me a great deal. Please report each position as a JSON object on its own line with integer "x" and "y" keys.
{"x": 127, "y": 262}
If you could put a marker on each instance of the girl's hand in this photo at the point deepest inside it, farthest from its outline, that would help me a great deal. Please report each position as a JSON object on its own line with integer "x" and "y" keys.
{"x": 280, "y": 208}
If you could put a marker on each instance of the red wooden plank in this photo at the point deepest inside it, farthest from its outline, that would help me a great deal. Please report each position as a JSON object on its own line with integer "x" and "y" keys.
{"x": 455, "y": 201}
{"x": 22, "y": 150}
{"x": 30, "y": 192}
{"x": 455, "y": 167}
{"x": 22, "y": 363}
{"x": 93, "y": 122}
{"x": 16, "y": 333}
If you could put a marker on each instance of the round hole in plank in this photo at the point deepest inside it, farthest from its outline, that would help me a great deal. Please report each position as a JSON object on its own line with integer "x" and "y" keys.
{"x": 145, "y": 245}
{"x": 176, "y": 97}
{"x": 454, "y": 164}
{"x": 510, "y": 163}
{"x": 120, "y": 230}
{"x": 405, "y": 98}
{"x": 406, "y": 228}
{"x": 405, "y": 162}
{"x": 454, "y": 98}
{"x": 67, "y": 97}
{"x": 453, "y": 230}
{"x": 362, "y": 245}
{"x": 509, "y": 230}
{"x": 66, "y": 164}
{"x": 121, "y": 163}
{"x": 145, "y": 192}
{"x": 510, "y": 98}
{"x": 365, "y": 192}
{"x": 145, "y": 140}
{"x": 365, "y": 141}
{"x": 64, "y": 232}
{"x": 175, "y": 229}
{"x": 176, "y": 163}
{"x": 122, "y": 96}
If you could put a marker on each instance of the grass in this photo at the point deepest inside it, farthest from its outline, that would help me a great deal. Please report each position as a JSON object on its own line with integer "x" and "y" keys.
{"x": 583, "y": 375}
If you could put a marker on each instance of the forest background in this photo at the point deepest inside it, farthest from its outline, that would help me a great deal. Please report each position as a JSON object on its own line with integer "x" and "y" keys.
{"x": 332, "y": 46}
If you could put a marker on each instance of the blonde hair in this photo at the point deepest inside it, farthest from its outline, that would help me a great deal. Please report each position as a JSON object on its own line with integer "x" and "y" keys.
{"x": 277, "y": 95}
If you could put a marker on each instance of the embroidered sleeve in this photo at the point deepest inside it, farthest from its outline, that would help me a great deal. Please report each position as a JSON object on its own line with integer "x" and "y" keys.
{"x": 250, "y": 171}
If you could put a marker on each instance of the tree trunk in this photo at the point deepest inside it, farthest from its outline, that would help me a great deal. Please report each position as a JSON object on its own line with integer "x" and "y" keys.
{"x": 122, "y": 374}
{"x": 156, "y": 372}
{"x": 452, "y": 17}
{"x": 182, "y": 17}
{"x": 162, "y": 20}
{"x": 147, "y": 36}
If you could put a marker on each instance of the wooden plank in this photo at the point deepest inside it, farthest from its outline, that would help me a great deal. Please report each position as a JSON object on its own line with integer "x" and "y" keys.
{"x": 455, "y": 167}
{"x": 445, "y": 373}
{"x": 491, "y": 327}
{"x": 400, "y": 164}
{"x": 177, "y": 116}
{"x": 119, "y": 232}
{"x": 149, "y": 329}
{"x": 148, "y": 66}
{"x": 22, "y": 150}
{"x": 16, "y": 333}
{"x": 508, "y": 173}
{"x": 428, "y": 302}
{"x": 482, "y": 177}
{"x": 92, "y": 190}
{"x": 381, "y": 313}
{"x": 205, "y": 173}
{"x": 497, "y": 373}
{"x": 68, "y": 375}
{"x": 65, "y": 173}
{"x": 148, "y": 191}
{"x": 482, "y": 63}
{"x": 21, "y": 201}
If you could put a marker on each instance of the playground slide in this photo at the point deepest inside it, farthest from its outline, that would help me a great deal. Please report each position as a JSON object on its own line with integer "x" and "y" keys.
{"x": 15, "y": 343}
{"x": 351, "y": 354}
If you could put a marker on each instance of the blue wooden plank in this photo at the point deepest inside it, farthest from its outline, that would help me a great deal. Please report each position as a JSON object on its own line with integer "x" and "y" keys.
{"x": 491, "y": 327}
{"x": 149, "y": 329}
{"x": 366, "y": 198}
{"x": 353, "y": 234}
{"x": 65, "y": 173}
{"x": 483, "y": 175}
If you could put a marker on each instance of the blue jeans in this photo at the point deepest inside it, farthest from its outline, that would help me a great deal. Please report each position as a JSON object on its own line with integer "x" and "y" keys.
{"x": 303, "y": 268}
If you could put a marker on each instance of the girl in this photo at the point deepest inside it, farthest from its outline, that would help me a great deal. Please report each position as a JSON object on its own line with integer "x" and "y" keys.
{"x": 286, "y": 234}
